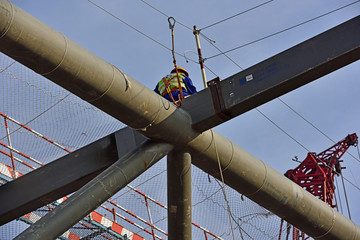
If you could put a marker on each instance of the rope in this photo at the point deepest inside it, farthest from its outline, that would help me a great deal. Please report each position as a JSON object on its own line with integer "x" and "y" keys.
{"x": 189, "y": 28}
{"x": 228, "y": 18}
{"x": 284, "y": 30}
{"x": 3, "y": 70}
{"x": 358, "y": 188}
{"x": 223, "y": 184}
{"x": 282, "y": 130}
{"x": 346, "y": 199}
{"x": 357, "y": 159}
{"x": 306, "y": 120}
{"x": 179, "y": 103}
{"x": 338, "y": 193}
{"x": 144, "y": 34}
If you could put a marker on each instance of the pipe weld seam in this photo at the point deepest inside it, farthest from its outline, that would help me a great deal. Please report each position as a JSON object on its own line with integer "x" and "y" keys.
{"x": 262, "y": 185}
{"x": 110, "y": 85}
{"x": 12, "y": 19}
{"x": 124, "y": 175}
{"x": 332, "y": 225}
{"x": 211, "y": 142}
{"x": 127, "y": 82}
{"x": 232, "y": 156}
{"x": 63, "y": 57}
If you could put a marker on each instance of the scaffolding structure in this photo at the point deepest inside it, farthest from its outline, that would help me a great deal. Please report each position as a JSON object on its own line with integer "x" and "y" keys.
{"x": 96, "y": 222}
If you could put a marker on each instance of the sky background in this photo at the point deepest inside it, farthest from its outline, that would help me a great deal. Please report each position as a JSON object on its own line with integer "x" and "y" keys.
{"x": 330, "y": 103}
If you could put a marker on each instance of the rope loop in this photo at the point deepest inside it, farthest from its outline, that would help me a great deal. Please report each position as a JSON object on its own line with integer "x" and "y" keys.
{"x": 171, "y": 25}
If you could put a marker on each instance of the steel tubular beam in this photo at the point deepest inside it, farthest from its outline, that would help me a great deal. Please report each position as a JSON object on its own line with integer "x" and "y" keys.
{"x": 100, "y": 83}
{"x": 57, "y": 179}
{"x": 97, "y": 191}
{"x": 278, "y": 75}
{"x": 179, "y": 195}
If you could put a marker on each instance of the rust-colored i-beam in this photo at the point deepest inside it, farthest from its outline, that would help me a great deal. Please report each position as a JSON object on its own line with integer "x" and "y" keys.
{"x": 51, "y": 54}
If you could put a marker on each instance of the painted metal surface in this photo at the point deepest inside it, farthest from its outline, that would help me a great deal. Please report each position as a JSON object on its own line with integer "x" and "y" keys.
{"x": 279, "y": 74}
{"x": 58, "y": 179}
{"x": 97, "y": 191}
{"x": 100, "y": 83}
{"x": 179, "y": 195}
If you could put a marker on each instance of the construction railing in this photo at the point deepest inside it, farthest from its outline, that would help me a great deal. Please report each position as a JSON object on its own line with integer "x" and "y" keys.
{"x": 102, "y": 223}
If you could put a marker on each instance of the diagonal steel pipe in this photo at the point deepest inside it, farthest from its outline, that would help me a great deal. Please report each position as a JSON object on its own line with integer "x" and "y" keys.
{"x": 62, "y": 61}
{"x": 97, "y": 191}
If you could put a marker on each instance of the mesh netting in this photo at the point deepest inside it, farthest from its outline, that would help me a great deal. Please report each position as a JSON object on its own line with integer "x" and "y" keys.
{"x": 53, "y": 112}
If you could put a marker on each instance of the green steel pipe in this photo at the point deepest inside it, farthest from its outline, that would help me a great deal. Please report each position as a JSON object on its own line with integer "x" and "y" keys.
{"x": 97, "y": 191}
{"x": 51, "y": 54}
{"x": 179, "y": 194}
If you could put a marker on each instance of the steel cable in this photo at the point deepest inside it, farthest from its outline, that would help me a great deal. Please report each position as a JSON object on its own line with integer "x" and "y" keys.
{"x": 228, "y": 18}
{"x": 311, "y": 124}
{"x": 284, "y": 30}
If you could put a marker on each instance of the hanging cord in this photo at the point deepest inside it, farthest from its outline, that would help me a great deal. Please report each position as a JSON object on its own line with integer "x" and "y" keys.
{"x": 338, "y": 193}
{"x": 346, "y": 199}
{"x": 179, "y": 103}
{"x": 223, "y": 184}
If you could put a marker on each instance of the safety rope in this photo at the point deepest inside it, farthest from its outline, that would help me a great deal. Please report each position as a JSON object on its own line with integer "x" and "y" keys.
{"x": 223, "y": 184}
{"x": 180, "y": 96}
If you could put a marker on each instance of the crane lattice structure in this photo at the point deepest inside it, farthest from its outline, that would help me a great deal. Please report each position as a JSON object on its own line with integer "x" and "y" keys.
{"x": 316, "y": 173}
{"x": 158, "y": 128}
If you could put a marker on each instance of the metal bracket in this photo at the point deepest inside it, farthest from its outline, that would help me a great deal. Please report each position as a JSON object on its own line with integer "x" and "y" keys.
{"x": 218, "y": 99}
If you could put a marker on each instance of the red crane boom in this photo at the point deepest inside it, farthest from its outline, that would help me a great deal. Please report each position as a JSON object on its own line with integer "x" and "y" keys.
{"x": 316, "y": 173}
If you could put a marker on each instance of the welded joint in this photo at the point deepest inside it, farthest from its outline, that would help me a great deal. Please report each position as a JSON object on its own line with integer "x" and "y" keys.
{"x": 62, "y": 59}
{"x": 231, "y": 158}
{"x": 263, "y": 183}
{"x": 108, "y": 88}
{"x": 127, "y": 82}
{"x": 332, "y": 224}
{"x": 213, "y": 142}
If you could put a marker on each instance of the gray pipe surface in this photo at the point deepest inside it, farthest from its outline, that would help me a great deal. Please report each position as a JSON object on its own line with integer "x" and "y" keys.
{"x": 97, "y": 191}
{"x": 179, "y": 195}
{"x": 62, "y": 61}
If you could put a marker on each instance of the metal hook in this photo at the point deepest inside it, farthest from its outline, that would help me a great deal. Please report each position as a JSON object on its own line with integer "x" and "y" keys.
{"x": 171, "y": 26}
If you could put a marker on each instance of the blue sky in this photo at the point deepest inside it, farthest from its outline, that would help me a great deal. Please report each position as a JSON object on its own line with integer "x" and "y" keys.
{"x": 330, "y": 103}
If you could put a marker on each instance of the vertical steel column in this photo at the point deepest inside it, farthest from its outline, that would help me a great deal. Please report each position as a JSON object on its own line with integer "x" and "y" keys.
{"x": 179, "y": 195}
{"x": 97, "y": 191}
